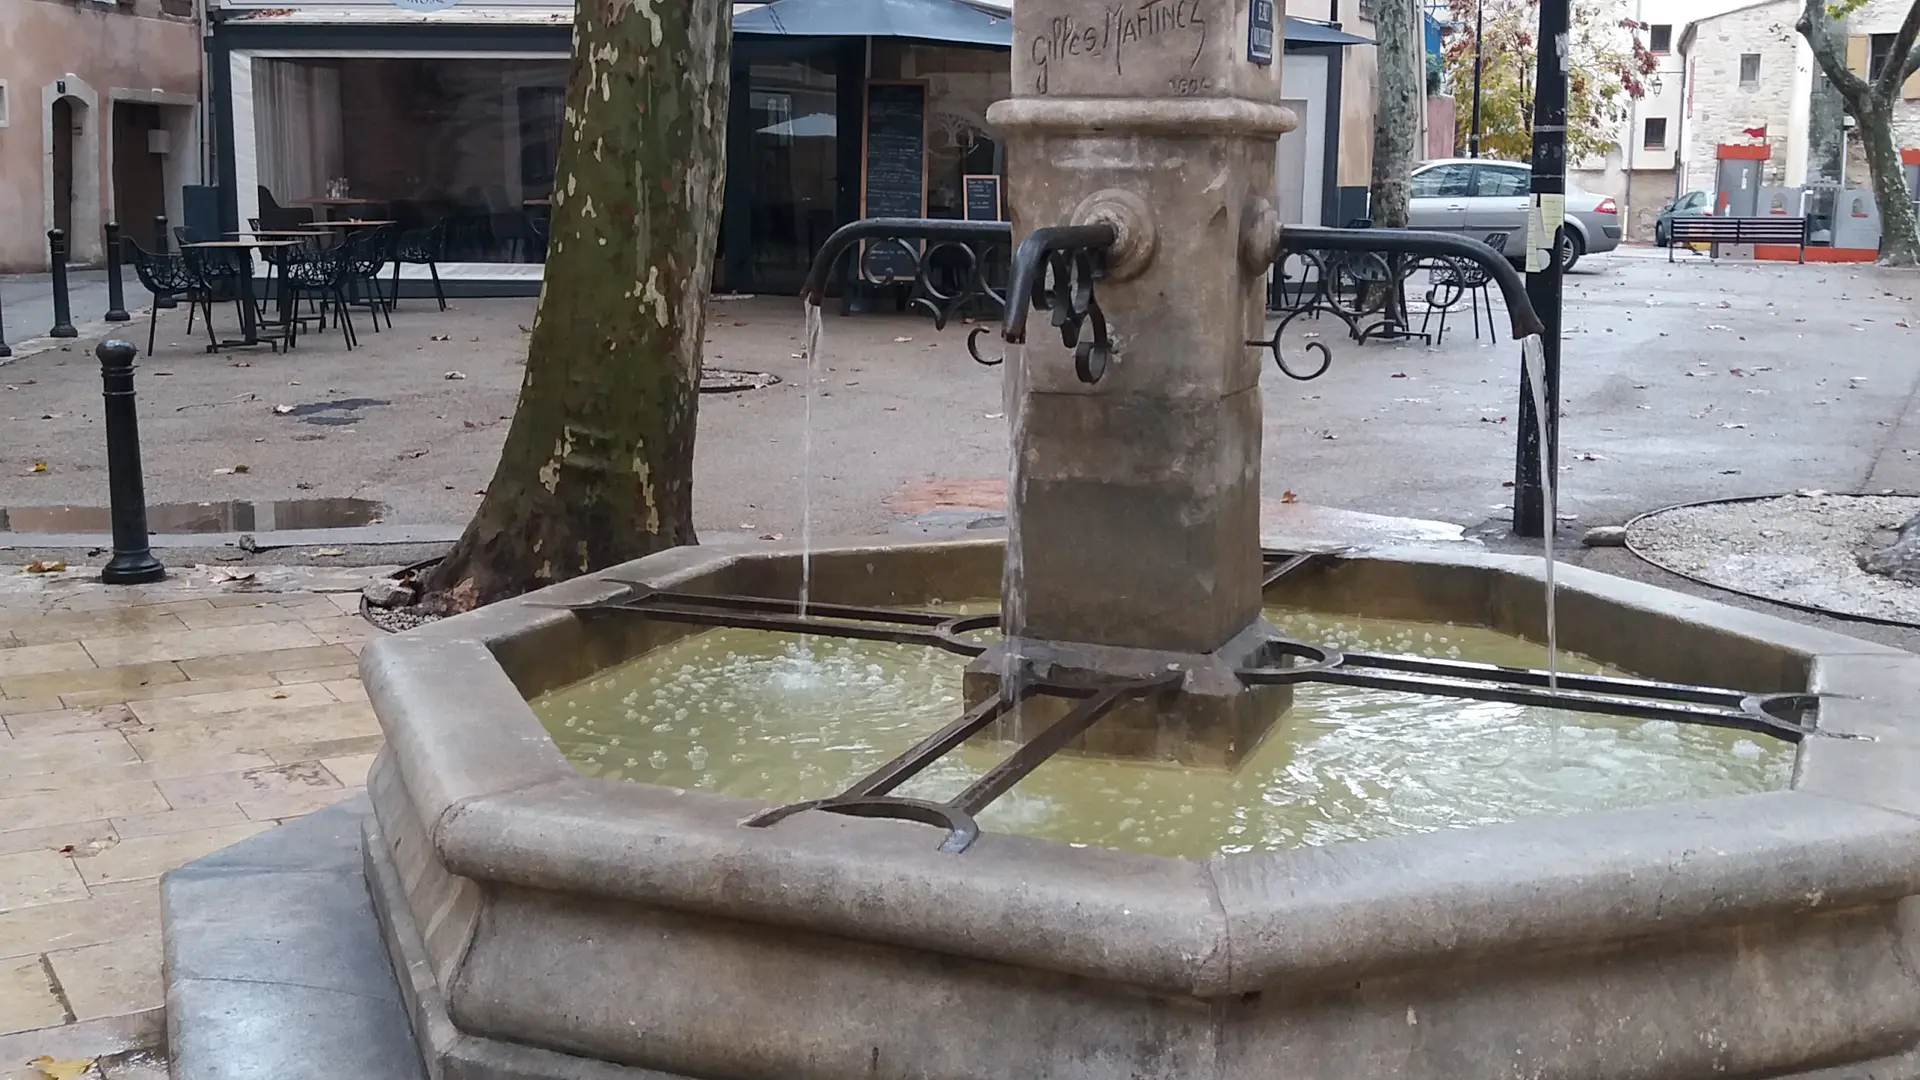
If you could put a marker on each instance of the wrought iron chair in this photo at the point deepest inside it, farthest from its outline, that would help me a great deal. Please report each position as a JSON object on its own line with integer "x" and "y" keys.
{"x": 421, "y": 247}
{"x": 322, "y": 277}
{"x": 367, "y": 256}
{"x": 217, "y": 274}
{"x": 166, "y": 277}
{"x": 1448, "y": 282}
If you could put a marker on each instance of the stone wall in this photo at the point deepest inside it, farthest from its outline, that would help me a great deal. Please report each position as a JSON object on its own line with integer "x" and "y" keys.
{"x": 107, "y": 53}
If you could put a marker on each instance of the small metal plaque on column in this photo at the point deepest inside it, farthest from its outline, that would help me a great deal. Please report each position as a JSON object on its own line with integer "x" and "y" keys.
{"x": 1260, "y": 32}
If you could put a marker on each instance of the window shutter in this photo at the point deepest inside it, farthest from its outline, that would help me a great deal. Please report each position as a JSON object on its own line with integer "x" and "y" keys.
{"x": 1857, "y": 53}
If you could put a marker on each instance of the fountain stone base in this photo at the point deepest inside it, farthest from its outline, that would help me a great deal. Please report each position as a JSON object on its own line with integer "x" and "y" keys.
{"x": 1209, "y": 720}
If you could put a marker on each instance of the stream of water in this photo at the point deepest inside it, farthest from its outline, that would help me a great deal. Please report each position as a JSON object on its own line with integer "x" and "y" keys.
{"x": 1533, "y": 358}
{"x": 814, "y": 328}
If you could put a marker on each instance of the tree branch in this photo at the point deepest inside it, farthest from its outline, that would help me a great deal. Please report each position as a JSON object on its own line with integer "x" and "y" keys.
{"x": 1815, "y": 27}
{"x": 1890, "y": 79}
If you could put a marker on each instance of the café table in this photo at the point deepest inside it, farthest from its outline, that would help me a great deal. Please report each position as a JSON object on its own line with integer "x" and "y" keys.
{"x": 249, "y": 315}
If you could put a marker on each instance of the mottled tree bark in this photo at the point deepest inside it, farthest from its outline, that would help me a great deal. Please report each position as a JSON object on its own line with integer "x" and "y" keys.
{"x": 1871, "y": 105}
{"x": 598, "y": 464}
{"x": 1396, "y": 115}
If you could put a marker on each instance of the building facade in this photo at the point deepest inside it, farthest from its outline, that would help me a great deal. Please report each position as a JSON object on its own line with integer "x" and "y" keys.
{"x": 99, "y": 120}
{"x": 1752, "y": 86}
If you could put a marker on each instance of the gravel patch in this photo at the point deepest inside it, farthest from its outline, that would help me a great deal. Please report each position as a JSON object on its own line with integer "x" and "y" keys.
{"x": 1799, "y": 549}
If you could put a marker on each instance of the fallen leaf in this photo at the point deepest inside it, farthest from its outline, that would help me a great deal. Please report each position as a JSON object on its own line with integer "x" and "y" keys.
{"x": 327, "y": 553}
{"x": 41, "y": 566}
{"x": 1289, "y": 497}
{"x": 282, "y": 409}
{"x": 468, "y": 424}
{"x": 412, "y": 454}
{"x": 62, "y": 1068}
{"x": 454, "y": 375}
{"x": 1506, "y": 483}
{"x": 1398, "y": 375}
{"x": 304, "y": 486}
{"x": 995, "y": 416}
{"x": 224, "y": 574}
{"x": 1589, "y": 456}
{"x": 278, "y": 695}
{"x": 1717, "y": 326}
{"x": 441, "y": 337}
{"x": 901, "y": 340}
{"x": 241, "y": 469}
{"x": 38, "y": 466}
{"x": 773, "y": 536}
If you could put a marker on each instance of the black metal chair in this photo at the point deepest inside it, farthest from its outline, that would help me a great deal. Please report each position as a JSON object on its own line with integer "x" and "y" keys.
{"x": 216, "y": 276}
{"x": 368, "y": 253}
{"x": 420, "y": 247}
{"x": 1448, "y": 282}
{"x": 166, "y": 277}
{"x": 321, "y": 276}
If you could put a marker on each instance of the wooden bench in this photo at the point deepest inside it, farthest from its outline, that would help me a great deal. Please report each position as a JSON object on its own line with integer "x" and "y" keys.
{"x": 1737, "y": 230}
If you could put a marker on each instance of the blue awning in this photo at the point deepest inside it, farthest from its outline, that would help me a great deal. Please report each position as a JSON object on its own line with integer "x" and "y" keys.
{"x": 953, "y": 22}
{"x": 950, "y": 22}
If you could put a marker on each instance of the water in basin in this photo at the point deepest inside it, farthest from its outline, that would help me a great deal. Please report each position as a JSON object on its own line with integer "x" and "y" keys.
{"x": 777, "y": 717}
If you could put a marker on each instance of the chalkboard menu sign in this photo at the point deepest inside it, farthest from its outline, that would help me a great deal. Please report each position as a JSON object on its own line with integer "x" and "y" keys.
{"x": 983, "y": 196}
{"x": 893, "y": 178}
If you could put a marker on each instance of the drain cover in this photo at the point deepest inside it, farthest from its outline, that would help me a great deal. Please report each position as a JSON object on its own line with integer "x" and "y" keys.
{"x": 729, "y": 381}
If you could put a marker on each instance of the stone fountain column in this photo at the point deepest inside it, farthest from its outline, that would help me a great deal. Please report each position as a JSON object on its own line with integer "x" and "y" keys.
{"x": 1136, "y": 501}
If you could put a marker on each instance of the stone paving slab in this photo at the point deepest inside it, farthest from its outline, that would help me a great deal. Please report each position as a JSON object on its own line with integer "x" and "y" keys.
{"x": 275, "y": 966}
{"x": 141, "y": 729}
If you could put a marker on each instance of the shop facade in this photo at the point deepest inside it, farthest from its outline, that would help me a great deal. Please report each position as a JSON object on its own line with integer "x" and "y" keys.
{"x": 453, "y": 117}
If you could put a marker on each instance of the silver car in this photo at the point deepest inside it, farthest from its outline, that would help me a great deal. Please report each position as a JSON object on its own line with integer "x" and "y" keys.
{"x": 1488, "y": 200}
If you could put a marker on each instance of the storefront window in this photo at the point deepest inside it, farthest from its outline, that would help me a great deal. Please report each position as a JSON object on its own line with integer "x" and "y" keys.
{"x": 469, "y": 143}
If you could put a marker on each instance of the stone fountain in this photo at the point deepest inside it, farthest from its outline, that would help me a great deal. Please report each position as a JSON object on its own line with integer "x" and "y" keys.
{"x": 545, "y": 924}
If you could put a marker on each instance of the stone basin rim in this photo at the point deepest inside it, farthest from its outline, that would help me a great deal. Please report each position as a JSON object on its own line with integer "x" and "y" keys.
{"x": 499, "y": 803}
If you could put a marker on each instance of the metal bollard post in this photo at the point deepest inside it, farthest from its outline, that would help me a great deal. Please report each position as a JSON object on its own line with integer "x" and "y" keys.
{"x": 6, "y": 350}
{"x": 116, "y": 290}
{"x": 133, "y": 562}
{"x": 160, "y": 248}
{"x": 62, "y": 315}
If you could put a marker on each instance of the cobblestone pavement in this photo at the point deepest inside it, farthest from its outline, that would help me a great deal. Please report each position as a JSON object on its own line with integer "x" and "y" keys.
{"x": 141, "y": 728}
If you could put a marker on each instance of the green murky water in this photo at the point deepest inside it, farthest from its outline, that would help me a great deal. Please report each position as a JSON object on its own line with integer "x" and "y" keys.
{"x": 775, "y": 717}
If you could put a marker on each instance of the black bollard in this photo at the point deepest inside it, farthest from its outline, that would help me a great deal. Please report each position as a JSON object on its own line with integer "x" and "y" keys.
{"x": 6, "y": 350}
{"x": 160, "y": 248}
{"x": 62, "y": 313}
{"x": 133, "y": 562}
{"x": 116, "y": 291}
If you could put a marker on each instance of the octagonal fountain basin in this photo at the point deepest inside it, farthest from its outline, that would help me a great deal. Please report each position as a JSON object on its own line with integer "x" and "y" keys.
{"x": 577, "y": 873}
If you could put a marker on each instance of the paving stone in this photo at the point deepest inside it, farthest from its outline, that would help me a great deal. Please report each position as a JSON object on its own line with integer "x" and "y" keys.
{"x": 151, "y": 856}
{"x": 236, "y": 787}
{"x": 281, "y": 807}
{"x": 111, "y": 978}
{"x": 328, "y": 748}
{"x": 149, "y": 648}
{"x": 275, "y": 963}
{"x": 173, "y": 821}
{"x": 160, "y": 691}
{"x": 37, "y": 659}
{"x": 33, "y": 878}
{"x": 30, "y": 725}
{"x": 348, "y": 689}
{"x": 153, "y": 768}
{"x": 242, "y": 732}
{"x": 342, "y": 628}
{"x": 27, "y": 1000}
{"x": 83, "y": 802}
{"x": 319, "y": 674}
{"x": 74, "y": 626}
{"x": 59, "y": 753}
{"x": 258, "y": 702}
{"x": 350, "y": 771}
{"x": 79, "y": 923}
{"x": 127, "y": 679}
{"x": 262, "y": 663}
{"x": 78, "y": 835}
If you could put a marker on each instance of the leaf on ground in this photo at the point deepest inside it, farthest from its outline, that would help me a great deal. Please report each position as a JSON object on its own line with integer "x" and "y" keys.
{"x": 441, "y": 337}
{"x": 454, "y": 375}
{"x": 42, "y": 566}
{"x": 278, "y": 695}
{"x": 1289, "y": 497}
{"x": 38, "y": 466}
{"x": 1398, "y": 375}
{"x": 282, "y": 410}
{"x": 773, "y": 536}
{"x": 901, "y": 340}
{"x": 236, "y": 469}
{"x": 62, "y": 1068}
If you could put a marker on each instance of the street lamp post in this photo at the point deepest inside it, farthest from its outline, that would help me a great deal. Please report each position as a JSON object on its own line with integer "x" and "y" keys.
{"x": 1479, "y": 25}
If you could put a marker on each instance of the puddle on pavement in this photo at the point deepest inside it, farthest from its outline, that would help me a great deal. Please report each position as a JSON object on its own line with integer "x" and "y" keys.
{"x": 206, "y": 517}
